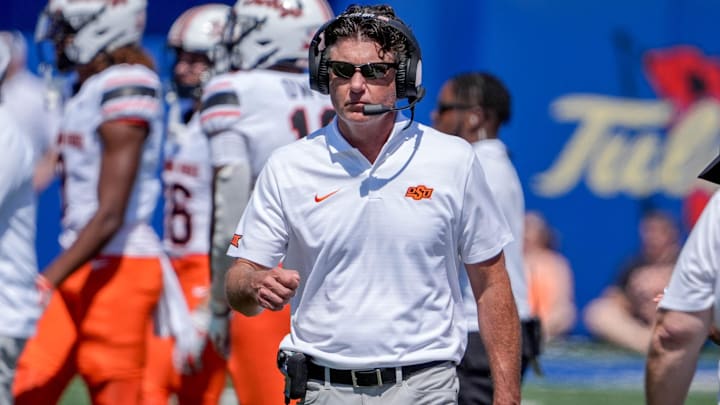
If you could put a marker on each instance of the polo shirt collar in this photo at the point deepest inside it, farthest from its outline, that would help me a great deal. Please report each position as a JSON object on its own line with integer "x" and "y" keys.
{"x": 338, "y": 144}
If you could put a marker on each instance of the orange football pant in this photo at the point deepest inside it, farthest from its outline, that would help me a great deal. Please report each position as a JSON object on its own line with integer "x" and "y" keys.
{"x": 161, "y": 379}
{"x": 96, "y": 325}
{"x": 253, "y": 356}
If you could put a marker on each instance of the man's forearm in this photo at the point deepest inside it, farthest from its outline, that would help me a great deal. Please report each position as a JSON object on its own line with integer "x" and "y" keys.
{"x": 500, "y": 331}
{"x": 220, "y": 262}
{"x": 239, "y": 288}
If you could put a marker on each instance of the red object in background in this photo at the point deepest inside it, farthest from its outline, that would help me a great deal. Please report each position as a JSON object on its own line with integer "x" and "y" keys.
{"x": 683, "y": 75}
{"x": 694, "y": 204}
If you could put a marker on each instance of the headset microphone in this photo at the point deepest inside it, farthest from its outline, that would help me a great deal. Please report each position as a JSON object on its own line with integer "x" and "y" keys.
{"x": 376, "y": 109}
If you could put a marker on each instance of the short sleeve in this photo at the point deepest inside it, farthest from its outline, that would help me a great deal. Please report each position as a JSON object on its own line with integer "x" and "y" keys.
{"x": 132, "y": 96}
{"x": 220, "y": 109}
{"x": 484, "y": 230}
{"x": 220, "y": 120}
{"x": 693, "y": 285}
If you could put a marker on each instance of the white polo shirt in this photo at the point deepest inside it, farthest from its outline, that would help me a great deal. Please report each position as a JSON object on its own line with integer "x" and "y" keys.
{"x": 695, "y": 285}
{"x": 376, "y": 245}
{"x": 507, "y": 190}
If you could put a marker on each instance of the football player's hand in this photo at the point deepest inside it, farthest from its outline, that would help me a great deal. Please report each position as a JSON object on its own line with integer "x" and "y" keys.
{"x": 219, "y": 333}
{"x": 45, "y": 290}
{"x": 191, "y": 359}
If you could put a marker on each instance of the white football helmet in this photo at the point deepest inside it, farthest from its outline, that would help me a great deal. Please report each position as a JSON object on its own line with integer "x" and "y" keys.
{"x": 197, "y": 31}
{"x": 83, "y": 29}
{"x": 259, "y": 34}
{"x": 199, "y": 28}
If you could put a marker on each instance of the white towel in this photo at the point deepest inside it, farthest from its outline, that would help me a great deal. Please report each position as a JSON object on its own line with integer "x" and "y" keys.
{"x": 172, "y": 316}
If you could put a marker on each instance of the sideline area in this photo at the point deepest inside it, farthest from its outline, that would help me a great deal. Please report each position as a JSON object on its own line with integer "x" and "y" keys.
{"x": 576, "y": 370}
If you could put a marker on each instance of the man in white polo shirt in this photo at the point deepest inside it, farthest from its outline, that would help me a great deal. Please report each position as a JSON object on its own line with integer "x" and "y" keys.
{"x": 369, "y": 216}
{"x": 473, "y": 106}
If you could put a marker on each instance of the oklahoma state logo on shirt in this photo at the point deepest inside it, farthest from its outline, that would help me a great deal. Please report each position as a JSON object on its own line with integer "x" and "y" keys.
{"x": 418, "y": 192}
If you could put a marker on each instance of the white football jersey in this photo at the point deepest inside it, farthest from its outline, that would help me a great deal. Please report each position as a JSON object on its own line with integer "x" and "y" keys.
{"x": 119, "y": 92}
{"x": 18, "y": 264}
{"x": 249, "y": 114}
{"x": 502, "y": 178}
{"x": 187, "y": 178}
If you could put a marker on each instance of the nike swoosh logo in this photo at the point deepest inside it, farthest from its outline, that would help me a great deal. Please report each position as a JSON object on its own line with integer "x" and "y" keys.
{"x": 326, "y": 196}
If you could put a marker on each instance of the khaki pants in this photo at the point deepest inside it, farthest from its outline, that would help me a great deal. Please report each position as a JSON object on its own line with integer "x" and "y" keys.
{"x": 433, "y": 386}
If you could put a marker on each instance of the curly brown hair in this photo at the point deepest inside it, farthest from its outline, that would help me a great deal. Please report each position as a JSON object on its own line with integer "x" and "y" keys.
{"x": 133, "y": 55}
{"x": 366, "y": 22}
{"x": 130, "y": 54}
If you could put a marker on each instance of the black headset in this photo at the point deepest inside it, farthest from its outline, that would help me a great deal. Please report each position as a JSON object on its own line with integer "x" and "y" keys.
{"x": 409, "y": 72}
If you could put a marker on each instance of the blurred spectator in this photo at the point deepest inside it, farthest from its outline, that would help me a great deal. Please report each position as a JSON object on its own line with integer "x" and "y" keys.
{"x": 26, "y": 98}
{"x": 549, "y": 277}
{"x": 625, "y": 312}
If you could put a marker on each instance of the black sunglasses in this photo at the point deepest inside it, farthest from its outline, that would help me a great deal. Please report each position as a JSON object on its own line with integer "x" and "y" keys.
{"x": 376, "y": 70}
{"x": 442, "y": 108}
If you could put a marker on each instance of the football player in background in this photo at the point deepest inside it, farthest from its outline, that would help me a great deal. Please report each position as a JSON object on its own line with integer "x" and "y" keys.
{"x": 263, "y": 102}
{"x": 110, "y": 276}
{"x": 187, "y": 177}
{"x": 18, "y": 263}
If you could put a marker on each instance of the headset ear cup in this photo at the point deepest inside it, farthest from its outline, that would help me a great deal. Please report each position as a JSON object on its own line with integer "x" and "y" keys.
{"x": 323, "y": 76}
{"x": 401, "y": 79}
{"x": 314, "y": 61}
{"x": 413, "y": 79}
{"x": 317, "y": 63}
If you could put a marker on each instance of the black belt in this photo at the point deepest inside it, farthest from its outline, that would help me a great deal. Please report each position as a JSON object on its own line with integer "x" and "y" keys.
{"x": 366, "y": 378}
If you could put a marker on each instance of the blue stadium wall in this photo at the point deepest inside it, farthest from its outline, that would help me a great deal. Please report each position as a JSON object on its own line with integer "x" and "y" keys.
{"x": 607, "y": 120}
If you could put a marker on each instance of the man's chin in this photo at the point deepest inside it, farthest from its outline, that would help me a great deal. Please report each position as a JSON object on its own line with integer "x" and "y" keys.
{"x": 355, "y": 115}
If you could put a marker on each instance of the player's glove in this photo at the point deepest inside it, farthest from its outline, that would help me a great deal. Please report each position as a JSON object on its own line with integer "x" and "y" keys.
{"x": 212, "y": 328}
{"x": 45, "y": 290}
{"x": 191, "y": 361}
{"x": 219, "y": 332}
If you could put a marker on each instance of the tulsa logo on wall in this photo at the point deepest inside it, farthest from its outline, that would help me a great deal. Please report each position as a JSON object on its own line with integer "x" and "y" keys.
{"x": 641, "y": 147}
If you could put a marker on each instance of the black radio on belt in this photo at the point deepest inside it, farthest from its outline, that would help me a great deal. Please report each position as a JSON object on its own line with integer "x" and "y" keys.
{"x": 294, "y": 366}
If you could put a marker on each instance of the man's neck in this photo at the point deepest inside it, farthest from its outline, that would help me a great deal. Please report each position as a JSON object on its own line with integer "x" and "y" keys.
{"x": 368, "y": 137}
{"x": 482, "y": 135}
